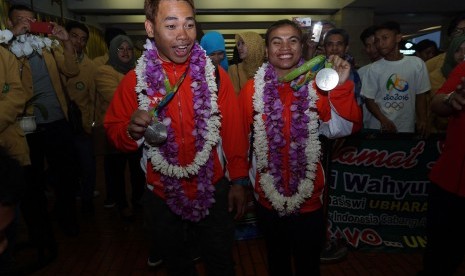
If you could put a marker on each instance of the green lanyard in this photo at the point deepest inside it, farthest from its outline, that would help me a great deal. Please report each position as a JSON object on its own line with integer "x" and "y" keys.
{"x": 170, "y": 92}
{"x": 309, "y": 68}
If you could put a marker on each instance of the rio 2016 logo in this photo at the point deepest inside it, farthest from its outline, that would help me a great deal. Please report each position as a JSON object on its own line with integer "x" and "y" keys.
{"x": 394, "y": 82}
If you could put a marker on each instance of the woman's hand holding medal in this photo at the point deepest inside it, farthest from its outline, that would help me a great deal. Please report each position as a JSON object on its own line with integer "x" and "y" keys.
{"x": 336, "y": 72}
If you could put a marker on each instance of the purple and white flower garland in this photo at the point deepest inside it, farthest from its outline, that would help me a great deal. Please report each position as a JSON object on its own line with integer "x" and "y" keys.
{"x": 150, "y": 80}
{"x": 269, "y": 139}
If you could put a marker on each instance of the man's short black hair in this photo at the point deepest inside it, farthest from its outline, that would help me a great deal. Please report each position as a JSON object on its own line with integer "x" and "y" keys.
{"x": 18, "y": 8}
{"x": 342, "y": 32}
{"x": 425, "y": 44}
{"x": 389, "y": 25}
{"x": 367, "y": 33}
{"x": 77, "y": 25}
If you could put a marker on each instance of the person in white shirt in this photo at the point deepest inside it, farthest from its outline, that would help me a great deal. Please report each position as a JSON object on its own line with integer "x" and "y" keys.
{"x": 395, "y": 87}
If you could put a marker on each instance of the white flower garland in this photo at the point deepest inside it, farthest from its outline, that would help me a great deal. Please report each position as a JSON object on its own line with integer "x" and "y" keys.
{"x": 5, "y": 36}
{"x": 26, "y": 44}
{"x": 284, "y": 205}
{"x": 213, "y": 126}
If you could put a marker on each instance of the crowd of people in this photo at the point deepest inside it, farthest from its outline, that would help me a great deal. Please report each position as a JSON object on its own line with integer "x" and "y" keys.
{"x": 196, "y": 132}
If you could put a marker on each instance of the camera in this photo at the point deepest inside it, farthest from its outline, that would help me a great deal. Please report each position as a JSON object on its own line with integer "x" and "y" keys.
{"x": 40, "y": 28}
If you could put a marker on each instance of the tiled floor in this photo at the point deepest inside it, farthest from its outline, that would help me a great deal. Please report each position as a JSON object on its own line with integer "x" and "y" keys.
{"x": 107, "y": 245}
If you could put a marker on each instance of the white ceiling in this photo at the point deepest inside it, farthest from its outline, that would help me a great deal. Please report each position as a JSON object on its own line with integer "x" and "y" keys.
{"x": 213, "y": 4}
{"x": 232, "y": 16}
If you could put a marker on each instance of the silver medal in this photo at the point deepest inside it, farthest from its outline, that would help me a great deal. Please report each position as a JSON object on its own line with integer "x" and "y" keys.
{"x": 156, "y": 133}
{"x": 326, "y": 79}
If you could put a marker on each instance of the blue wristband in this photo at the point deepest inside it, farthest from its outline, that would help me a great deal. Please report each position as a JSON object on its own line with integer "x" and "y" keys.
{"x": 241, "y": 181}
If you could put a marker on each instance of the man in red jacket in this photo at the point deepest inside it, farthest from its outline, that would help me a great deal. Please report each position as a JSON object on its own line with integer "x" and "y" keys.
{"x": 174, "y": 85}
{"x": 287, "y": 119}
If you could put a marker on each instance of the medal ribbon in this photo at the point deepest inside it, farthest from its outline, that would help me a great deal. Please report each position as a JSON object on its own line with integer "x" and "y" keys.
{"x": 170, "y": 92}
{"x": 309, "y": 71}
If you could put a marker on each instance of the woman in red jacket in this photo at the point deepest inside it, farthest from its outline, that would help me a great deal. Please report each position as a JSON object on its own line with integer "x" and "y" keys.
{"x": 286, "y": 120}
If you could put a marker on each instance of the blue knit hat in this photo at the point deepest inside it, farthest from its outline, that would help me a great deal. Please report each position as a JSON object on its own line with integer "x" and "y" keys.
{"x": 214, "y": 42}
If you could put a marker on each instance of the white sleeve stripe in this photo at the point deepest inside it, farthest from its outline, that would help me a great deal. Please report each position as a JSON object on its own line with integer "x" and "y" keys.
{"x": 336, "y": 127}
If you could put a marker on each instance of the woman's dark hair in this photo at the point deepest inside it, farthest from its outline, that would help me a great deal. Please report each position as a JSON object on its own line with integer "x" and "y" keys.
{"x": 280, "y": 23}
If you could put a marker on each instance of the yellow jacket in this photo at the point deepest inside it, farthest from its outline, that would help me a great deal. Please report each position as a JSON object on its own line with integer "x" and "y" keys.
{"x": 107, "y": 80}
{"x": 81, "y": 89}
{"x": 101, "y": 60}
{"x": 12, "y": 99}
{"x": 57, "y": 61}
{"x": 238, "y": 76}
{"x": 435, "y": 62}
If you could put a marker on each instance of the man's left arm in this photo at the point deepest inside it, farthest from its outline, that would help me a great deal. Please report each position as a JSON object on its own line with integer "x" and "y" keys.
{"x": 66, "y": 59}
{"x": 234, "y": 143}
